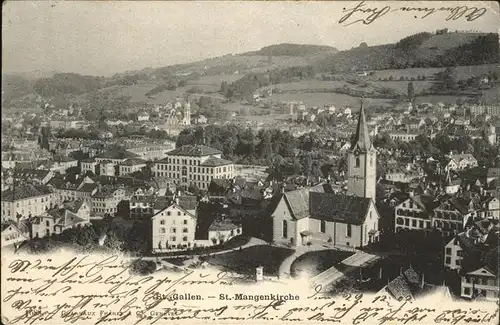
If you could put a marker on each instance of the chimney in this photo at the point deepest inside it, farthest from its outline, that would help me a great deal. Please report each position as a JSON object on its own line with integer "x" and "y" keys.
{"x": 177, "y": 200}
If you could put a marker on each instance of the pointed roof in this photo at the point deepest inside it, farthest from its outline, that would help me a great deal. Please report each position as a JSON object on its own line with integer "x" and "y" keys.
{"x": 362, "y": 139}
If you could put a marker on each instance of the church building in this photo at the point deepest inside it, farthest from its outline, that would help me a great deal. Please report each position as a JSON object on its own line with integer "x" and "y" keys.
{"x": 350, "y": 219}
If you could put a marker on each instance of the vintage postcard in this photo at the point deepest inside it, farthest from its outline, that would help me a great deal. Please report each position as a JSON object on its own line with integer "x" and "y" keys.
{"x": 250, "y": 162}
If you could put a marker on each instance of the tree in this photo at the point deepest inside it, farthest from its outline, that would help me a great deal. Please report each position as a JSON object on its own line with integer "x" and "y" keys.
{"x": 450, "y": 78}
{"x": 411, "y": 90}
{"x": 363, "y": 45}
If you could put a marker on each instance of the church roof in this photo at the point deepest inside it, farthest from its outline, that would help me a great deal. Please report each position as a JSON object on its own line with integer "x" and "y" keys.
{"x": 338, "y": 207}
{"x": 362, "y": 138}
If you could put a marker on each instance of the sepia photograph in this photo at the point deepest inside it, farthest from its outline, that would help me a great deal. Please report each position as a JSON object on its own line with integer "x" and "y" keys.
{"x": 250, "y": 162}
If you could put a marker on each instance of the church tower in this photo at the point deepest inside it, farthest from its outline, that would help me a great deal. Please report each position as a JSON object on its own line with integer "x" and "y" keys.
{"x": 362, "y": 162}
{"x": 187, "y": 114}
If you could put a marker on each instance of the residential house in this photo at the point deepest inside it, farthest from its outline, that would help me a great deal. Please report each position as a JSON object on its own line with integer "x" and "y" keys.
{"x": 414, "y": 213}
{"x": 14, "y": 233}
{"x": 106, "y": 200}
{"x": 130, "y": 166}
{"x": 174, "y": 226}
{"x": 461, "y": 162}
{"x": 60, "y": 218}
{"x": 452, "y": 214}
{"x": 480, "y": 280}
{"x": 24, "y": 200}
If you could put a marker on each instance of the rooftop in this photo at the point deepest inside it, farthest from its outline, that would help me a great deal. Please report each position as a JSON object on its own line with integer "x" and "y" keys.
{"x": 194, "y": 151}
{"x": 24, "y": 191}
{"x": 215, "y": 162}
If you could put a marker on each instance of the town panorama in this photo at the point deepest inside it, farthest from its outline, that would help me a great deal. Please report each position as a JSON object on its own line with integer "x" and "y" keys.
{"x": 370, "y": 169}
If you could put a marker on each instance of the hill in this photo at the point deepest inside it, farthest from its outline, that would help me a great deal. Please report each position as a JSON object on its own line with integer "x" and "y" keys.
{"x": 14, "y": 86}
{"x": 287, "y": 49}
{"x": 417, "y": 51}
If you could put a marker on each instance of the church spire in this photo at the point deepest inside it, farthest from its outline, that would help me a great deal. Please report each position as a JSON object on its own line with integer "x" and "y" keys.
{"x": 362, "y": 139}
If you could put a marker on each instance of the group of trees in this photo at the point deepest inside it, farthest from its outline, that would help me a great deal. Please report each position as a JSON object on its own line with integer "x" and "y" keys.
{"x": 68, "y": 83}
{"x": 441, "y": 145}
{"x": 279, "y": 150}
{"x": 246, "y": 86}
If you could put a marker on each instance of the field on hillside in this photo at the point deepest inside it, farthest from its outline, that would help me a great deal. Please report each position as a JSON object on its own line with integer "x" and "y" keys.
{"x": 463, "y": 72}
{"x": 401, "y": 87}
{"x": 321, "y": 99}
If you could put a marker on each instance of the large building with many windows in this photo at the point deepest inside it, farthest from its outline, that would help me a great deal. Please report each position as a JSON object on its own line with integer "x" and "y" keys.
{"x": 24, "y": 200}
{"x": 194, "y": 165}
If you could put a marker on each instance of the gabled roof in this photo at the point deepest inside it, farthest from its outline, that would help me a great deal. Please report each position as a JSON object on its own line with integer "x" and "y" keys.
{"x": 32, "y": 173}
{"x": 338, "y": 208}
{"x": 24, "y": 191}
{"x": 298, "y": 202}
{"x": 196, "y": 151}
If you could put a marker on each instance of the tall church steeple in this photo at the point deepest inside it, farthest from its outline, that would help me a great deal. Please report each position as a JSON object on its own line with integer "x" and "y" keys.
{"x": 362, "y": 139}
{"x": 362, "y": 161}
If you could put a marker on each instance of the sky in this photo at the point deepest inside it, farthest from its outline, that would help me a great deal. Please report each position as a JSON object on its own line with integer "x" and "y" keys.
{"x": 106, "y": 37}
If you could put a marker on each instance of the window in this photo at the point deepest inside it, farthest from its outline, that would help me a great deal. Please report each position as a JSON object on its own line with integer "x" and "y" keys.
{"x": 285, "y": 229}
{"x": 484, "y": 281}
{"x": 322, "y": 226}
{"x": 407, "y": 222}
{"x": 178, "y": 213}
{"x": 448, "y": 260}
{"x": 184, "y": 238}
{"x": 172, "y": 238}
{"x": 349, "y": 230}
{"x": 421, "y": 224}
{"x": 162, "y": 222}
{"x": 467, "y": 291}
{"x": 414, "y": 223}
{"x": 448, "y": 251}
{"x": 172, "y": 230}
{"x": 162, "y": 230}
{"x": 458, "y": 262}
{"x": 47, "y": 223}
{"x": 357, "y": 162}
{"x": 184, "y": 230}
{"x": 185, "y": 222}
{"x": 459, "y": 253}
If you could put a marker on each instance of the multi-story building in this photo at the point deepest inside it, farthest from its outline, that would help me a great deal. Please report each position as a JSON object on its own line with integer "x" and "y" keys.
{"x": 461, "y": 162}
{"x": 106, "y": 200}
{"x": 414, "y": 213}
{"x": 489, "y": 207}
{"x": 405, "y": 137}
{"x": 13, "y": 233}
{"x": 130, "y": 166}
{"x": 480, "y": 280}
{"x": 145, "y": 206}
{"x": 107, "y": 168}
{"x": 451, "y": 215}
{"x": 174, "y": 227}
{"x": 470, "y": 243}
{"x": 79, "y": 189}
{"x": 58, "y": 219}
{"x": 153, "y": 152}
{"x": 24, "y": 200}
{"x": 89, "y": 165}
{"x": 115, "y": 155}
{"x": 194, "y": 165}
